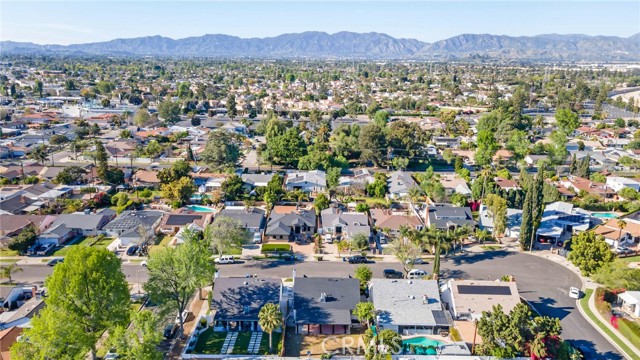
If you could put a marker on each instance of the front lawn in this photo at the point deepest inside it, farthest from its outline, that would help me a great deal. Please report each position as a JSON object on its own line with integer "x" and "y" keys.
{"x": 161, "y": 243}
{"x": 88, "y": 241}
{"x": 631, "y": 259}
{"x": 275, "y": 248}
{"x": 242, "y": 343}
{"x": 264, "y": 343}
{"x": 7, "y": 252}
{"x": 210, "y": 342}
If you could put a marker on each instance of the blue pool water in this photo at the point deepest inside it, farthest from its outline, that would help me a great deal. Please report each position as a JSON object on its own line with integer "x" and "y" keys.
{"x": 422, "y": 341}
{"x": 199, "y": 208}
{"x": 604, "y": 215}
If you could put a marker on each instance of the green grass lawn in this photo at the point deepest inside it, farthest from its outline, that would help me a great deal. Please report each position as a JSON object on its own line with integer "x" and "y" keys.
{"x": 490, "y": 247}
{"x": 631, "y": 259}
{"x": 264, "y": 343}
{"x": 84, "y": 242}
{"x": 275, "y": 247}
{"x": 584, "y": 302}
{"x": 242, "y": 343}
{"x": 7, "y": 252}
{"x": 8, "y": 261}
{"x": 210, "y": 342}
{"x": 161, "y": 243}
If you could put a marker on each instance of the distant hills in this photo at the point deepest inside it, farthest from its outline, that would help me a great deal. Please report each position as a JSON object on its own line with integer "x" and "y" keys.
{"x": 347, "y": 45}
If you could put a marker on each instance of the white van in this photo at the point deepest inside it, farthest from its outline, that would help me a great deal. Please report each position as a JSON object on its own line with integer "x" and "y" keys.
{"x": 225, "y": 259}
{"x": 416, "y": 274}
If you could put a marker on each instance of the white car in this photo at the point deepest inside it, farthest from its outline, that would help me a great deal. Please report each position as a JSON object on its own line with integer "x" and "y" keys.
{"x": 144, "y": 263}
{"x": 415, "y": 261}
{"x": 574, "y": 293}
{"x": 225, "y": 259}
{"x": 257, "y": 238}
{"x": 416, "y": 274}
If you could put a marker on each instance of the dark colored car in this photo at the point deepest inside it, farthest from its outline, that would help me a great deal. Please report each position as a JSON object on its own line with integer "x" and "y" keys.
{"x": 54, "y": 261}
{"x": 132, "y": 250}
{"x": 392, "y": 274}
{"x": 170, "y": 330}
{"x": 357, "y": 259}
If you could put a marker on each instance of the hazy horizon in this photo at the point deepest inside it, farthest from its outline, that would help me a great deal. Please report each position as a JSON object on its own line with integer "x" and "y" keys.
{"x": 74, "y": 22}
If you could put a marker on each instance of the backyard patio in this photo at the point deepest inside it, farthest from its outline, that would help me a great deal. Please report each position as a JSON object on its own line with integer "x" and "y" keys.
{"x": 235, "y": 343}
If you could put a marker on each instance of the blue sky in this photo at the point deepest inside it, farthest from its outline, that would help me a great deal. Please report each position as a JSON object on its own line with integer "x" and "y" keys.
{"x": 66, "y": 22}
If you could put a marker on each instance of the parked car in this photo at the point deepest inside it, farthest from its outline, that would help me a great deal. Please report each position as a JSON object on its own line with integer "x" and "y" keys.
{"x": 110, "y": 356}
{"x": 621, "y": 250}
{"x": 574, "y": 293}
{"x": 185, "y": 317}
{"x": 132, "y": 250}
{"x": 45, "y": 249}
{"x": 32, "y": 249}
{"x": 392, "y": 274}
{"x": 257, "y": 238}
{"x": 225, "y": 259}
{"x": 170, "y": 330}
{"x": 144, "y": 263}
{"x": 328, "y": 238}
{"x": 55, "y": 261}
{"x": 415, "y": 261}
{"x": 416, "y": 274}
{"x": 357, "y": 259}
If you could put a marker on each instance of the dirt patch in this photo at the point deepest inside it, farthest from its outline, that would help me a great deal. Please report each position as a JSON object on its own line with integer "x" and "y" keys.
{"x": 297, "y": 345}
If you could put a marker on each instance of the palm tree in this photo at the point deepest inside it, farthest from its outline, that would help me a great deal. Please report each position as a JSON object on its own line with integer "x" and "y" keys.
{"x": 298, "y": 195}
{"x": 7, "y": 271}
{"x": 269, "y": 319}
{"x": 621, "y": 224}
{"x": 39, "y": 154}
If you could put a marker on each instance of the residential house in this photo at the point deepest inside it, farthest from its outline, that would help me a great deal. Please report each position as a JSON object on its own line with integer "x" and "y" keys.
{"x": 400, "y": 183}
{"x": 514, "y": 220}
{"x": 618, "y": 183}
{"x": 236, "y": 302}
{"x": 12, "y": 225}
{"x": 287, "y": 223}
{"x": 615, "y": 235}
{"x": 8, "y": 337}
{"x": 324, "y": 305}
{"x": 532, "y": 160}
{"x": 130, "y": 224}
{"x": 630, "y": 301}
{"x": 207, "y": 182}
{"x": 57, "y": 235}
{"x": 252, "y": 181}
{"x": 172, "y": 222}
{"x": 250, "y": 218}
{"x": 445, "y": 217}
{"x": 559, "y": 218}
{"x": 455, "y": 184}
{"x": 409, "y": 307}
{"x": 467, "y": 299}
{"x": 390, "y": 221}
{"x": 22, "y": 316}
{"x": 83, "y": 224}
{"x": 502, "y": 156}
{"x": 506, "y": 184}
{"x": 346, "y": 224}
{"x": 146, "y": 178}
{"x": 234, "y": 127}
{"x": 308, "y": 181}
{"x": 446, "y": 142}
{"x": 578, "y": 184}
{"x": 350, "y": 184}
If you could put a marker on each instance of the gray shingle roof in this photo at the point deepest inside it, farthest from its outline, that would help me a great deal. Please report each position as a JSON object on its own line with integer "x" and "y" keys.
{"x": 131, "y": 219}
{"x": 280, "y": 222}
{"x": 342, "y": 295}
{"x": 242, "y": 298}
{"x": 443, "y": 216}
{"x": 249, "y": 218}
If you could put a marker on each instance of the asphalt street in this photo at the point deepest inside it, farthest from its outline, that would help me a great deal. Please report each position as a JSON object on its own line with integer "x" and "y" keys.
{"x": 543, "y": 283}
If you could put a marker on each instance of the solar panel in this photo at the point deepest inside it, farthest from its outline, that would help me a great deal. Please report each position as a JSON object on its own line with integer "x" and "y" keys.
{"x": 182, "y": 219}
{"x": 484, "y": 290}
{"x": 440, "y": 317}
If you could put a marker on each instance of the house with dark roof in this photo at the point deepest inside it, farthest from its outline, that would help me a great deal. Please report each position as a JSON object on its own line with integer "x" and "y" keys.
{"x": 290, "y": 226}
{"x": 57, "y": 235}
{"x": 250, "y": 218}
{"x": 324, "y": 305}
{"x": 468, "y": 299}
{"x": 252, "y": 181}
{"x": 347, "y": 224}
{"x": 127, "y": 226}
{"x": 172, "y": 222}
{"x": 237, "y": 302}
{"x": 409, "y": 307}
{"x": 445, "y": 217}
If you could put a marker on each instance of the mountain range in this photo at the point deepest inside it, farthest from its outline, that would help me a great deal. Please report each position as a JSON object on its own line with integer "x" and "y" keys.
{"x": 350, "y": 45}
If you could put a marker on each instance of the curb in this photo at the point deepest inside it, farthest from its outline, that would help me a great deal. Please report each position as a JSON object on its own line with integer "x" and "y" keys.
{"x": 595, "y": 326}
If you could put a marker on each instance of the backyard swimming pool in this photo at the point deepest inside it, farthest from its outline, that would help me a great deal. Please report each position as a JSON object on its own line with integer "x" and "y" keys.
{"x": 604, "y": 215}
{"x": 199, "y": 208}
{"x": 423, "y": 345}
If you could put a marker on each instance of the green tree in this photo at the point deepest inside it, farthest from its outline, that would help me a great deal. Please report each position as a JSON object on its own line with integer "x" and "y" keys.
{"x": 405, "y": 252}
{"x": 140, "y": 340}
{"x": 175, "y": 274}
{"x": 90, "y": 292}
{"x": 169, "y": 111}
{"x": 618, "y": 275}
{"x": 286, "y": 149}
{"x": 270, "y": 319}
{"x": 365, "y": 313}
{"x": 487, "y": 147}
{"x": 142, "y": 118}
{"x": 333, "y": 177}
{"x": 231, "y": 105}
{"x": 178, "y": 170}
{"x": 372, "y": 144}
{"x": 179, "y": 191}
{"x": 26, "y": 238}
{"x": 40, "y": 153}
{"x": 359, "y": 242}
{"x": 225, "y": 234}
{"x": 400, "y": 163}
{"x": 101, "y": 159}
{"x": 233, "y": 187}
{"x": 498, "y": 208}
{"x": 70, "y": 175}
{"x": 321, "y": 202}
{"x": 381, "y": 118}
{"x": 364, "y": 274}
{"x": 222, "y": 150}
{"x": 39, "y": 87}
{"x": 589, "y": 252}
{"x": 526, "y": 225}
{"x": 7, "y": 271}
{"x": 567, "y": 120}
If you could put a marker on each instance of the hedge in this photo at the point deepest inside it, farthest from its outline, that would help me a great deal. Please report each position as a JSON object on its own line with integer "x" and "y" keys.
{"x": 275, "y": 248}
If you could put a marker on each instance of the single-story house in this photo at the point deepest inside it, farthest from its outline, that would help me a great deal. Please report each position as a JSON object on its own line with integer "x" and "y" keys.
{"x": 324, "y": 305}
{"x": 56, "y": 234}
{"x": 128, "y": 226}
{"x": 514, "y": 220}
{"x": 390, "y": 221}
{"x": 455, "y": 184}
{"x": 83, "y": 224}
{"x": 444, "y": 217}
{"x": 614, "y": 235}
{"x": 251, "y": 218}
{"x": 146, "y": 178}
{"x": 467, "y": 299}
{"x": 409, "y": 307}
{"x": 308, "y": 181}
{"x": 345, "y": 224}
{"x": 630, "y": 302}
{"x": 172, "y": 222}
{"x": 578, "y": 184}
{"x": 237, "y": 301}
{"x": 400, "y": 183}
{"x": 290, "y": 225}
{"x": 618, "y": 183}
{"x": 252, "y": 181}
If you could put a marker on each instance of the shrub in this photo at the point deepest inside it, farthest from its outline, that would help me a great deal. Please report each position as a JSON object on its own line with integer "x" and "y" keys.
{"x": 604, "y": 307}
{"x": 275, "y": 247}
{"x": 455, "y": 334}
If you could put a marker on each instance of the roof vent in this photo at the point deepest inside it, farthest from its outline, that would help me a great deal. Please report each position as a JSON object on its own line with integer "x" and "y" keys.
{"x": 323, "y": 297}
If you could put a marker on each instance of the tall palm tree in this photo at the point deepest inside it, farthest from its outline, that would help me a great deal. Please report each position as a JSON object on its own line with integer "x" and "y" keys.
{"x": 269, "y": 319}
{"x": 621, "y": 224}
{"x": 39, "y": 154}
{"x": 7, "y": 271}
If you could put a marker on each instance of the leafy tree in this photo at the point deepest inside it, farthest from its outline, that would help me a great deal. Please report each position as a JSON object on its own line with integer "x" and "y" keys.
{"x": 618, "y": 275}
{"x": 589, "y": 252}
{"x": 179, "y": 191}
{"x": 400, "y": 163}
{"x": 169, "y": 111}
{"x": 286, "y": 149}
{"x": 380, "y": 118}
{"x": 101, "y": 158}
{"x": 333, "y": 177}
{"x": 120, "y": 199}
{"x": 90, "y": 293}
{"x": 40, "y": 153}
{"x": 372, "y": 144}
{"x": 359, "y": 242}
{"x": 222, "y": 150}
{"x": 8, "y": 270}
{"x": 142, "y": 117}
{"x": 364, "y": 274}
{"x": 598, "y": 177}
{"x": 233, "y": 187}
{"x": 567, "y": 120}
{"x": 270, "y": 319}
{"x": 231, "y": 105}
{"x": 320, "y": 203}
{"x": 139, "y": 341}
{"x": 24, "y": 240}
{"x": 365, "y": 312}
{"x": 178, "y": 170}
{"x": 38, "y": 87}
{"x": 498, "y": 208}
{"x": 175, "y": 274}
{"x": 406, "y": 138}
{"x": 377, "y": 189}
{"x": 405, "y": 252}
{"x": 70, "y": 175}
{"x": 628, "y": 193}
{"x": 58, "y": 139}
{"x": 487, "y": 147}
{"x": 105, "y": 87}
{"x": 224, "y": 234}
